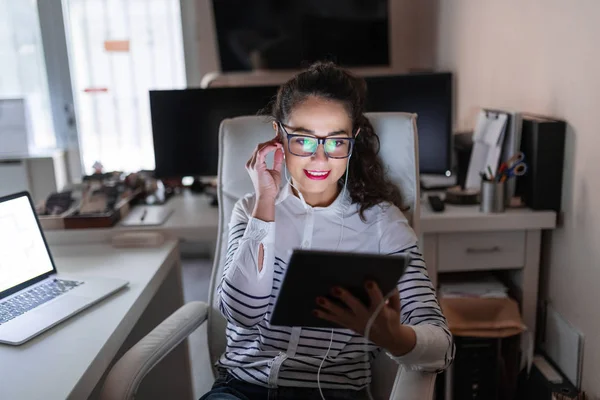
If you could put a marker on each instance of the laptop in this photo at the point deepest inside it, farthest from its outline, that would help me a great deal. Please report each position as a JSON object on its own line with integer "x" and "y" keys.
{"x": 33, "y": 296}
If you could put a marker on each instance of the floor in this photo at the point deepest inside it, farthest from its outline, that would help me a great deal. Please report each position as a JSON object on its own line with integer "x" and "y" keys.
{"x": 196, "y": 278}
{"x": 196, "y": 282}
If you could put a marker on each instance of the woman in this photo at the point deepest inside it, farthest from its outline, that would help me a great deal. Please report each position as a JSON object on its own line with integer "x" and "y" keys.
{"x": 336, "y": 197}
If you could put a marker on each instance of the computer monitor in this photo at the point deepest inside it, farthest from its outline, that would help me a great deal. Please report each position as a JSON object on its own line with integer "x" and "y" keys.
{"x": 429, "y": 95}
{"x": 185, "y": 123}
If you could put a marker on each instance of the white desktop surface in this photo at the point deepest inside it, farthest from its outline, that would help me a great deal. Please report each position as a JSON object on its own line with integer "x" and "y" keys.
{"x": 193, "y": 220}
{"x": 69, "y": 360}
{"x": 470, "y": 219}
{"x": 193, "y": 217}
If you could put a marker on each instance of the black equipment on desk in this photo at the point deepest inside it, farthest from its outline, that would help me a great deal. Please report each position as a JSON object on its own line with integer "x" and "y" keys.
{"x": 429, "y": 95}
{"x": 436, "y": 203}
{"x": 185, "y": 123}
{"x": 543, "y": 143}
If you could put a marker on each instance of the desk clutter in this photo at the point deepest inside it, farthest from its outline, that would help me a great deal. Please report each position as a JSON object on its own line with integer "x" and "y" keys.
{"x": 480, "y": 308}
{"x": 486, "y": 287}
{"x": 100, "y": 201}
{"x": 510, "y": 160}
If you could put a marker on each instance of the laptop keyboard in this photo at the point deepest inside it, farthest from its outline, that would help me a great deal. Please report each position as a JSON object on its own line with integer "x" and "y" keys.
{"x": 34, "y": 297}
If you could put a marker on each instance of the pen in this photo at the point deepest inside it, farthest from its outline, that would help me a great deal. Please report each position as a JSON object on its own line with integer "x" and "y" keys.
{"x": 491, "y": 173}
{"x": 144, "y": 215}
{"x": 500, "y": 174}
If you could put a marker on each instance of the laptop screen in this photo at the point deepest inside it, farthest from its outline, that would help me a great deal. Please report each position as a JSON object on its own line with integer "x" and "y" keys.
{"x": 23, "y": 252}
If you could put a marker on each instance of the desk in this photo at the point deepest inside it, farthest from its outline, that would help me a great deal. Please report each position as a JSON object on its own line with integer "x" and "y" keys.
{"x": 70, "y": 360}
{"x": 463, "y": 239}
{"x": 459, "y": 239}
{"x": 193, "y": 220}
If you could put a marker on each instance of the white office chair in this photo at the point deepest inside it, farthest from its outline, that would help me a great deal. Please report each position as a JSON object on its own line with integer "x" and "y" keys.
{"x": 237, "y": 139}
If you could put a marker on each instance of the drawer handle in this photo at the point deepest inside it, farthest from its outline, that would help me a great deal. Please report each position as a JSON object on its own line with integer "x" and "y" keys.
{"x": 472, "y": 250}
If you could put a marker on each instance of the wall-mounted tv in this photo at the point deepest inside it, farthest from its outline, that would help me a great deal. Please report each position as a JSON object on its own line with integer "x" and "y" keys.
{"x": 290, "y": 34}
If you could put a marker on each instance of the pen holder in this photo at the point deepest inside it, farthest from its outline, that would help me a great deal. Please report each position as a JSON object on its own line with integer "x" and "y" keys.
{"x": 492, "y": 197}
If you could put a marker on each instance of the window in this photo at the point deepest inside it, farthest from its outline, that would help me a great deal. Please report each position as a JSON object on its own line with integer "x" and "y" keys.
{"x": 23, "y": 69}
{"x": 119, "y": 50}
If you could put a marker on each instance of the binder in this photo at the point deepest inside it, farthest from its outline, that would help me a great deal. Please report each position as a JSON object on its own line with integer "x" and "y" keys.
{"x": 510, "y": 144}
{"x": 543, "y": 143}
{"x": 488, "y": 141}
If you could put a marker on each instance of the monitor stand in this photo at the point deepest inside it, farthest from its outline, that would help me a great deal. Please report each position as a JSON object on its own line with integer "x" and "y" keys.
{"x": 435, "y": 182}
{"x": 197, "y": 186}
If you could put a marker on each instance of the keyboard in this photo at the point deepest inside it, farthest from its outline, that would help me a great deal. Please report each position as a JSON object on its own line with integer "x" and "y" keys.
{"x": 30, "y": 299}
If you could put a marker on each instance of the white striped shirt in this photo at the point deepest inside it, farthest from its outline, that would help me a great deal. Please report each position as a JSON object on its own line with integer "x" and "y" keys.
{"x": 279, "y": 356}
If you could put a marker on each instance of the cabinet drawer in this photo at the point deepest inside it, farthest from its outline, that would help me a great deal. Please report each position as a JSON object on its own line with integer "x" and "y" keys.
{"x": 481, "y": 251}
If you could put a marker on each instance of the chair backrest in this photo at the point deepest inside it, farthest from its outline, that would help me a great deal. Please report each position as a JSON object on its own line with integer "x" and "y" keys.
{"x": 238, "y": 137}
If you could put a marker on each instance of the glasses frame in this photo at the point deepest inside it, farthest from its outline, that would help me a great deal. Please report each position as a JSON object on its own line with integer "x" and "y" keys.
{"x": 320, "y": 141}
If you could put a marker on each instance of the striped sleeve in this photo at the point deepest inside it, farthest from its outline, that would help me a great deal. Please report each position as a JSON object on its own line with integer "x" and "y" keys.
{"x": 244, "y": 291}
{"x": 420, "y": 309}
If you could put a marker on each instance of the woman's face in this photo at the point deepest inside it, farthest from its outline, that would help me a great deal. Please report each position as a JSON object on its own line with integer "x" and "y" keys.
{"x": 317, "y": 117}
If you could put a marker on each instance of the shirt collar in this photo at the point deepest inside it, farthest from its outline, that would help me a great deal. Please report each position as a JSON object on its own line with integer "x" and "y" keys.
{"x": 340, "y": 204}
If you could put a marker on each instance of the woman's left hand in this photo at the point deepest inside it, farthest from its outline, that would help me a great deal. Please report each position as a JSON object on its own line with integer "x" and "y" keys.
{"x": 386, "y": 332}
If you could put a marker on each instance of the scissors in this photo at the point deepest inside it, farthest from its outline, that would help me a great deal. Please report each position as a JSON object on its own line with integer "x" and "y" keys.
{"x": 514, "y": 166}
{"x": 517, "y": 158}
{"x": 518, "y": 169}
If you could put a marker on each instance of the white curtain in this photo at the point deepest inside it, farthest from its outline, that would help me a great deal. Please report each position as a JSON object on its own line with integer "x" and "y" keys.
{"x": 119, "y": 50}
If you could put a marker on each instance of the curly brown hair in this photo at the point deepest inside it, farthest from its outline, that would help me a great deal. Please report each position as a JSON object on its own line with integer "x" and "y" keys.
{"x": 368, "y": 184}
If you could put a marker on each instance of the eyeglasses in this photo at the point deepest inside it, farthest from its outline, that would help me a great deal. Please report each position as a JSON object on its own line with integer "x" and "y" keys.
{"x": 306, "y": 146}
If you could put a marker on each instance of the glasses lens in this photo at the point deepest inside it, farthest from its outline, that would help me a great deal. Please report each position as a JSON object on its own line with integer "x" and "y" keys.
{"x": 337, "y": 147}
{"x": 303, "y": 145}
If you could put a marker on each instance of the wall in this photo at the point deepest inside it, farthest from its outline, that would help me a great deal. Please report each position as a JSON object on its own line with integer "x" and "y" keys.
{"x": 412, "y": 42}
{"x": 542, "y": 56}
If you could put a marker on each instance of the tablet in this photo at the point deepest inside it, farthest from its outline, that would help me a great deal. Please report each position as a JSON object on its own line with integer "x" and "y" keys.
{"x": 313, "y": 273}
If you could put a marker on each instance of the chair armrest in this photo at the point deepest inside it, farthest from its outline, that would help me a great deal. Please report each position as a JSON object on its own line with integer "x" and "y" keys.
{"x": 126, "y": 375}
{"x": 413, "y": 385}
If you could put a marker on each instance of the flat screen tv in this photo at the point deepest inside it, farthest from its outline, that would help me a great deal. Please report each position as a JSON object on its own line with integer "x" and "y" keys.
{"x": 290, "y": 34}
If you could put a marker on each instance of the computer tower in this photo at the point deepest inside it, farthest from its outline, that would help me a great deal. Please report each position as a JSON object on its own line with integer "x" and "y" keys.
{"x": 543, "y": 143}
{"x": 483, "y": 369}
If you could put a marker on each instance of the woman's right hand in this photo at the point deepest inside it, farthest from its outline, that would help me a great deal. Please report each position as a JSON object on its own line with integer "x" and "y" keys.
{"x": 266, "y": 181}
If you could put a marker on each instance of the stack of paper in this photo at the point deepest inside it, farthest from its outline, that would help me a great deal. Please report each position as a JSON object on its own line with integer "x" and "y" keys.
{"x": 484, "y": 288}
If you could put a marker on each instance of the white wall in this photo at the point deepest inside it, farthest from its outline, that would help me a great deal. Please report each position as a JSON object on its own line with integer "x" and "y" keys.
{"x": 542, "y": 56}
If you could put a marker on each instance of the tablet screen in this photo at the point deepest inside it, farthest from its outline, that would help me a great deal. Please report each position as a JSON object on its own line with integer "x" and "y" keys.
{"x": 313, "y": 273}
